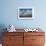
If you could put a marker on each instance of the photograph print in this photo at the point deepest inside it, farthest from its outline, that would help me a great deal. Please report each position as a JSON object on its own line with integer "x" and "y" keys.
{"x": 25, "y": 13}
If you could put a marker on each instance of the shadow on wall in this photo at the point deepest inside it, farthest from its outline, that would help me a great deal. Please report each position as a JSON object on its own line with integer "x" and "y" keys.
{"x": 2, "y": 26}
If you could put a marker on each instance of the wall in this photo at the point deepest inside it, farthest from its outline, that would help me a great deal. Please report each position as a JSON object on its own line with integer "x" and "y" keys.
{"x": 9, "y": 13}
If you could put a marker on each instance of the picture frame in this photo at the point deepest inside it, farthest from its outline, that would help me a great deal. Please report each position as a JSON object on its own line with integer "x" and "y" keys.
{"x": 25, "y": 13}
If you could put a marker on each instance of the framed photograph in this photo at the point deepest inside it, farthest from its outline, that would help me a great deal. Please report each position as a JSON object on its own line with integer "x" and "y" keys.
{"x": 25, "y": 13}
